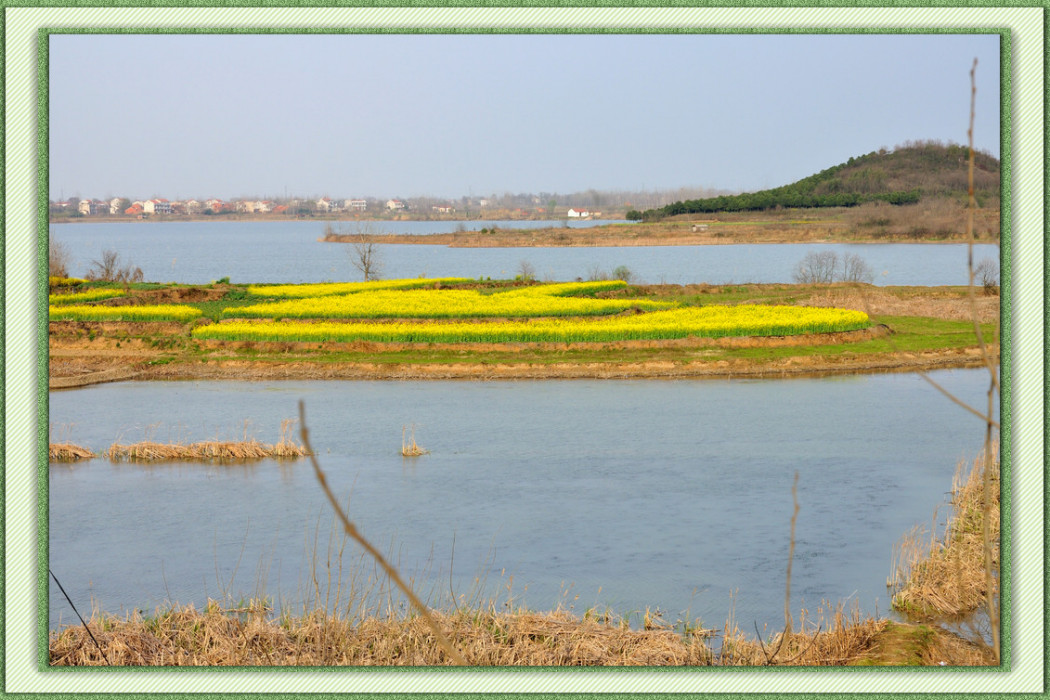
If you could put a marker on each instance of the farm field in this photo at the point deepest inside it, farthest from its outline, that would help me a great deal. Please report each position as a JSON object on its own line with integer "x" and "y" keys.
{"x": 458, "y": 328}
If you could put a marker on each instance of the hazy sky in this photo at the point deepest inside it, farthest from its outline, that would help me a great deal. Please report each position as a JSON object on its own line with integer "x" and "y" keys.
{"x": 447, "y": 115}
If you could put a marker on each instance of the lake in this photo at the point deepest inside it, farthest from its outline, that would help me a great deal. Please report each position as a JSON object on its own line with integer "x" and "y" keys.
{"x": 291, "y": 252}
{"x": 611, "y": 494}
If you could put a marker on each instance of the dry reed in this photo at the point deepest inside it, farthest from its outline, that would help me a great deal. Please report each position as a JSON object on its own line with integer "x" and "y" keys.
{"x": 67, "y": 452}
{"x": 945, "y": 575}
{"x": 409, "y": 448}
{"x": 210, "y": 450}
{"x": 186, "y": 637}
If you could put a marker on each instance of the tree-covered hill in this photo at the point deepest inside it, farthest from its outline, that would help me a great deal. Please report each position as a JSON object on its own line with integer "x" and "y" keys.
{"x": 904, "y": 175}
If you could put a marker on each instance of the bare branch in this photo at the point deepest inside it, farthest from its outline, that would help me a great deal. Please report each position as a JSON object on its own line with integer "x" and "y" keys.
{"x": 352, "y": 531}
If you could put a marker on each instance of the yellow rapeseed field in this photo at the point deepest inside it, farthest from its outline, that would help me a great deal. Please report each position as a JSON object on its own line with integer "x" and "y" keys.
{"x": 161, "y": 312}
{"x": 81, "y": 297}
{"x": 444, "y": 303}
{"x": 708, "y": 321}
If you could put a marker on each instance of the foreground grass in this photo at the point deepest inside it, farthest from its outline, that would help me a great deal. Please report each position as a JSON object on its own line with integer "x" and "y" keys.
{"x": 942, "y": 574}
{"x": 214, "y": 637}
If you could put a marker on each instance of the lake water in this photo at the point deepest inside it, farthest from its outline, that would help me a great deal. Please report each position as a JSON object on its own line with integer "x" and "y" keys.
{"x": 622, "y": 494}
{"x": 291, "y": 252}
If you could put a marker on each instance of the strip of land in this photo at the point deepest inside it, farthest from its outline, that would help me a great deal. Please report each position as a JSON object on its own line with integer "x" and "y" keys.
{"x": 914, "y": 328}
{"x": 923, "y": 223}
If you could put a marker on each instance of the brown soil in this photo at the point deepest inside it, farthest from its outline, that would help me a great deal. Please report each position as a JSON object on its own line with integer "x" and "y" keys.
{"x": 169, "y": 295}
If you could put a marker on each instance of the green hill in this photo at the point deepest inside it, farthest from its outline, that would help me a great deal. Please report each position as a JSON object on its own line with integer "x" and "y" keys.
{"x": 904, "y": 175}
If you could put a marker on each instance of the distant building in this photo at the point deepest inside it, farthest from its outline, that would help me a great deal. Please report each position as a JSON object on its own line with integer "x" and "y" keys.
{"x": 93, "y": 207}
{"x": 443, "y": 208}
{"x": 325, "y": 204}
{"x": 395, "y": 205}
{"x": 355, "y": 205}
{"x": 578, "y": 213}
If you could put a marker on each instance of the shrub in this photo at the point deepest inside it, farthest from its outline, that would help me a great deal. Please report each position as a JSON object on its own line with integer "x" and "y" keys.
{"x": 623, "y": 273}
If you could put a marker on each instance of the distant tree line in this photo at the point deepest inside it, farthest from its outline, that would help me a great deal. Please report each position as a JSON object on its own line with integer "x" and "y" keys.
{"x": 898, "y": 177}
{"x": 791, "y": 196}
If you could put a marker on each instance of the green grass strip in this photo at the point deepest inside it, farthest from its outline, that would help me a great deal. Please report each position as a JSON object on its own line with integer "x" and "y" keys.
{"x": 299, "y": 291}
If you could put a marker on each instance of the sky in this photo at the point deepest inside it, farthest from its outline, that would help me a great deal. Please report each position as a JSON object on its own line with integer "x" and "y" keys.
{"x": 383, "y": 115}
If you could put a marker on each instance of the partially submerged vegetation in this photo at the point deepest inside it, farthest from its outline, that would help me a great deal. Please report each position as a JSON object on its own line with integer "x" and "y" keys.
{"x": 938, "y": 575}
{"x": 206, "y": 450}
{"x": 246, "y": 449}
{"x": 67, "y": 452}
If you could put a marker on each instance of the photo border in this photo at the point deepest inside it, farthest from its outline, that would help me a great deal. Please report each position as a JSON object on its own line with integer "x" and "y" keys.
{"x": 41, "y": 324}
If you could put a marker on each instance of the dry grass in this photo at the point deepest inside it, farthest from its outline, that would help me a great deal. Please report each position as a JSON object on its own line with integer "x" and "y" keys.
{"x": 210, "y": 450}
{"x": 214, "y": 637}
{"x": 409, "y": 448}
{"x": 876, "y": 302}
{"x": 945, "y": 576}
{"x": 932, "y": 217}
{"x": 67, "y": 452}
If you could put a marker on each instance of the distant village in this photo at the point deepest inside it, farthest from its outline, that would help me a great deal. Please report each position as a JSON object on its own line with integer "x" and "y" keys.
{"x": 120, "y": 207}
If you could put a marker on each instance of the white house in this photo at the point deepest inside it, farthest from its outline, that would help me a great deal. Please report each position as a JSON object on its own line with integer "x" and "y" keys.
{"x": 355, "y": 205}
{"x": 395, "y": 205}
{"x": 578, "y": 213}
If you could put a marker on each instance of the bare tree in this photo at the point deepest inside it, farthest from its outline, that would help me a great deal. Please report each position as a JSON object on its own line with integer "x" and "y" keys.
{"x": 526, "y": 272}
{"x": 817, "y": 268}
{"x": 855, "y": 269}
{"x": 58, "y": 257}
{"x": 366, "y": 258}
{"x": 987, "y": 273}
{"x": 109, "y": 269}
{"x": 596, "y": 273}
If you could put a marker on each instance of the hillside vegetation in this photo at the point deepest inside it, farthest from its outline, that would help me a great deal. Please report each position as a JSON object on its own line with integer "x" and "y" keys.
{"x": 908, "y": 174}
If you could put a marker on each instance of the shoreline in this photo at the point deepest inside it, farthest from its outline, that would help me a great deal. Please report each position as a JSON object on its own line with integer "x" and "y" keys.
{"x": 116, "y": 370}
{"x": 728, "y": 230}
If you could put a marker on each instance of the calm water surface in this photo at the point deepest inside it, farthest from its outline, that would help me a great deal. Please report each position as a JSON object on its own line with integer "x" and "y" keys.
{"x": 201, "y": 252}
{"x": 619, "y": 494}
